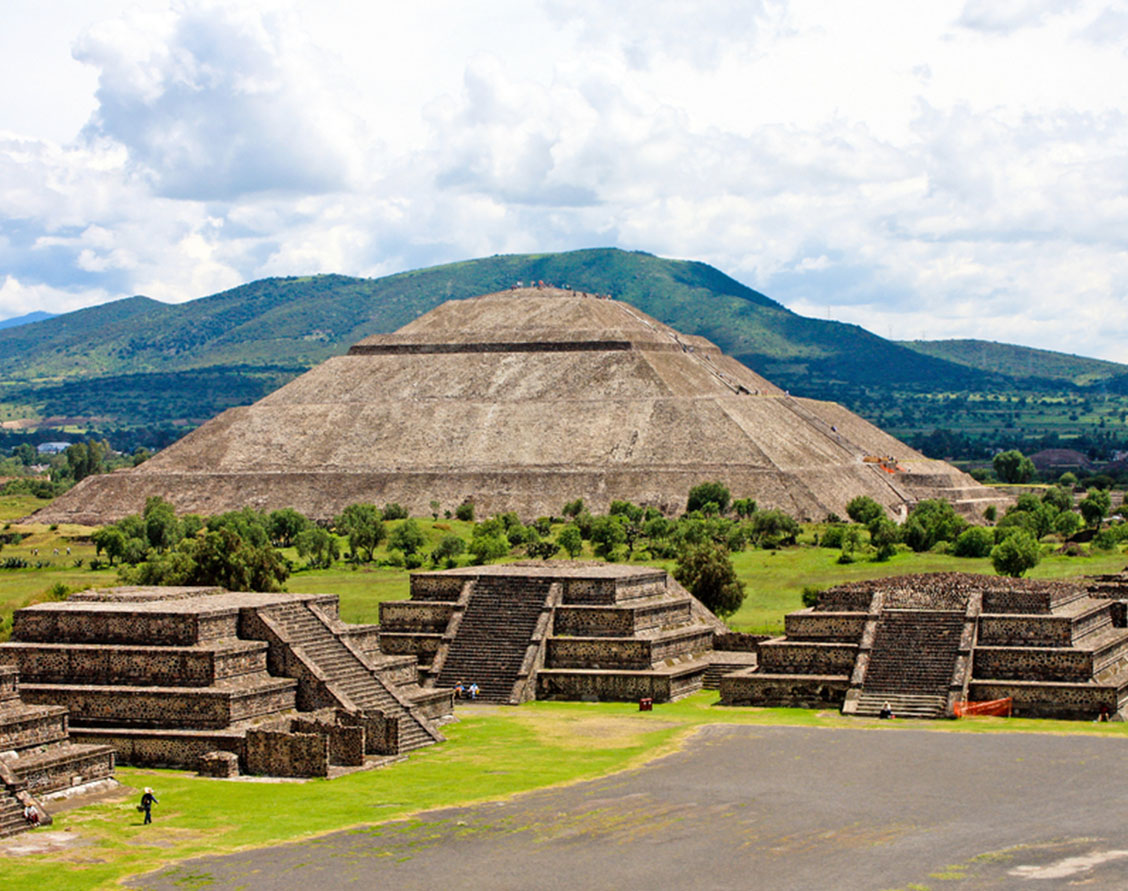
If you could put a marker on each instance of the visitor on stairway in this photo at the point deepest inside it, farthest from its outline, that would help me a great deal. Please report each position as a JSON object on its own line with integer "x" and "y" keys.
{"x": 886, "y": 712}
{"x": 459, "y": 690}
{"x": 473, "y": 690}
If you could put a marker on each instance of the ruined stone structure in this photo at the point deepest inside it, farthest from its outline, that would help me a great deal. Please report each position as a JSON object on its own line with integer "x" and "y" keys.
{"x": 176, "y": 676}
{"x": 37, "y": 756}
{"x": 924, "y": 642}
{"x": 554, "y": 631}
{"x": 522, "y": 401}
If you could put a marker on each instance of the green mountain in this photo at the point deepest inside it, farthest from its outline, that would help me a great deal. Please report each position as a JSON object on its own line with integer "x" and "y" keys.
{"x": 1019, "y": 361}
{"x": 139, "y": 363}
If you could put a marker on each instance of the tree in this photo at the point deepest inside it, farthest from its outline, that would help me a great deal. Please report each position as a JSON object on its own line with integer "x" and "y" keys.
{"x": 406, "y": 537}
{"x": 448, "y": 550}
{"x": 1013, "y": 467}
{"x": 1067, "y": 523}
{"x": 1095, "y": 506}
{"x": 85, "y": 459}
{"x": 111, "y": 540}
{"x": 364, "y": 526}
{"x": 631, "y": 516}
{"x": 774, "y": 528}
{"x": 570, "y": 539}
{"x": 284, "y": 526}
{"x": 707, "y": 572}
{"x": 162, "y": 528}
{"x": 884, "y": 536}
{"x": 574, "y": 508}
{"x": 542, "y": 548}
{"x": 465, "y": 511}
{"x": 744, "y": 507}
{"x": 863, "y": 509}
{"x": 318, "y": 545}
{"x": 607, "y": 533}
{"x": 26, "y": 454}
{"x": 485, "y": 548}
{"x": 1015, "y": 554}
{"x": 704, "y": 493}
{"x": 435, "y": 506}
{"x": 1060, "y": 497}
{"x": 975, "y": 541}
{"x": 931, "y": 521}
{"x": 394, "y": 511}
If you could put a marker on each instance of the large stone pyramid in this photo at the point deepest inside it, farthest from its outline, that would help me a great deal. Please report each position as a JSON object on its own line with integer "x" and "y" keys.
{"x": 523, "y": 400}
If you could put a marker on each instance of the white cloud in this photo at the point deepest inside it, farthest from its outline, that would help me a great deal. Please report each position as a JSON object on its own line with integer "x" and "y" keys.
{"x": 953, "y": 168}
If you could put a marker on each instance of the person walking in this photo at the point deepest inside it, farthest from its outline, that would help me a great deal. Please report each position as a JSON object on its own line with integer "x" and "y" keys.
{"x": 147, "y": 802}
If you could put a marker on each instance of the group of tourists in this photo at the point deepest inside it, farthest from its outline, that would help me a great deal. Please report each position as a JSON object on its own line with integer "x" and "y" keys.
{"x": 461, "y": 691}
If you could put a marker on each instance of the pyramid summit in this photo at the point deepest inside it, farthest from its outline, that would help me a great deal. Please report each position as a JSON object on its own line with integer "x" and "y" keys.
{"x": 523, "y": 400}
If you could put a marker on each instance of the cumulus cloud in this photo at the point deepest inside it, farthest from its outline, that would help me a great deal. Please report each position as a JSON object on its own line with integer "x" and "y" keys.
{"x": 212, "y": 103}
{"x": 955, "y": 169}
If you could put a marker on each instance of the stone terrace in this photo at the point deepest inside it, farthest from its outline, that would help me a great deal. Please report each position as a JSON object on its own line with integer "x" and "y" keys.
{"x": 924, "y": 642}
{"x": 554, "y": 631}
{"x": 37, "y": 756}
{"x": 171, "y": 677}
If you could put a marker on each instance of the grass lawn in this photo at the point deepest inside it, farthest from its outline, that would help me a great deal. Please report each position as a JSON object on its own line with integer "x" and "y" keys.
{"x": 490, "y": 753}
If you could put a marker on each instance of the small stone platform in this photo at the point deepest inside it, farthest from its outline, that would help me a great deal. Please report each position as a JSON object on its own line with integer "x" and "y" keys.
{"x": 172, "y": 676}
{"x": 37, "y": 755}
{"x": 555, "y": 630}
{"x": 924, "y": 642}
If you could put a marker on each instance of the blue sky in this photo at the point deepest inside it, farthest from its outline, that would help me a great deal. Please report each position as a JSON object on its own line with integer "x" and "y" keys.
{"x": 949, "y": 169}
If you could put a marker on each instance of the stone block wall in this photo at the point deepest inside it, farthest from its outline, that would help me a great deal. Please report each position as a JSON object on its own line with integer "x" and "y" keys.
{"x": 381, "y": 732}
{"x": 742, "y": 688}
{"x": 346, "y": 742}
{"x": 1032, "y": 664}
{"x": 128, "y": 665}
{"x": 845, "y": 600}
{"x": 811, "y": 625}
{"x": 578, "y": 652}
{"x": 1076, "y": 701}
{"x": 33, "y": 727}
{"x": 9, "y": 683}
{"x": 787, "y": 657}
{"x": 161, "y": 749}
{"x": 1030, "y": 631}
{"x": 415, "y": 615}
{"x": 436, "y": 587}
{"x": 738, "y": 642}
{"x": 282, "y": 754}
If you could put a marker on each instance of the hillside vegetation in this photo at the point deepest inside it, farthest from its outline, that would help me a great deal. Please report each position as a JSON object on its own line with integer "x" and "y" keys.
{"x": 139, "y": 363}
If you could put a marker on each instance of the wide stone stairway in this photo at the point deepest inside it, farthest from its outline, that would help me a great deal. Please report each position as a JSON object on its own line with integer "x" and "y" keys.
{"x": 911, "y": 664}
{"x": 361, "y": 688}
{"x": 493, "y": 637}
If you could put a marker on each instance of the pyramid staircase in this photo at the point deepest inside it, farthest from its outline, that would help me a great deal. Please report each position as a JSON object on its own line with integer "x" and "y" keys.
{"x": 911, "y": 663}
{"x": 353, "y": 680}
{"x": 498, "y": 623}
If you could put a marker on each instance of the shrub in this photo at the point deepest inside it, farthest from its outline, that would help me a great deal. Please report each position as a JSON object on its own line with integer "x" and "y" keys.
{"x": 449, "y": 548}
{"x": 976, "y": 541}
{"x": 863, "y": 509}
{"x": 811, "y": 595}
{"x": 573, "y": 508}
{"x": 1015, "y": 554}
{"x": 394, "y": 511}
{"x": 832, "y": 537}
{"x": 465, "y": 511}
{"x": 406, "y": 537}
{"x": 704, "y": 493}
{"x": 990, "y": 512}
{"x": 570, "y": 539}
{"x": 413, "y": 560}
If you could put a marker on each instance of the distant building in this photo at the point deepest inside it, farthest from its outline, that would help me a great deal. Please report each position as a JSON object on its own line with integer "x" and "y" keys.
{"x": 52, "y": 448}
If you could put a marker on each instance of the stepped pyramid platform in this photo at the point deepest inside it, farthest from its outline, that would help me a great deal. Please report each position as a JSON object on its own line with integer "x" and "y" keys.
{"x": 524, "y": 400}
{"x": 37, "y": 756}
{"x": 169, "y": 675}
{"x": 554, "y": 630}
{"x": 924, "y": 642}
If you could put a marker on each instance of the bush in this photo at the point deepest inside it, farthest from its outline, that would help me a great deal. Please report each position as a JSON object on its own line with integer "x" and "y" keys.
{"x": 774, "y": 528}
{"x": 485, "y": 548}
{"x": 413, "y": 560}
{"x": 990, "y": 512}
{"x": 863, "y": 509}
{"x": 406, "y": 537}
{"x": 570, "y": 539}
{"x": 976, "y": 541}
{"x": 58, "y": 591}
{"x": 465, "y": 511}
{"x": 573, "y": 508}
{"x": 704, "y": 493}
{"x": 1015, "y": 554}
{"x": 811, "y": 595}
{"x": 394, "y": 511}
{"x": 449, "y": 548}
{"x": 832, "y": 537}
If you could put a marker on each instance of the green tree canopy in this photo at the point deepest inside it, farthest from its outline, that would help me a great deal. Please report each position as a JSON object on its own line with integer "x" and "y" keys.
{"x": 863, "y": 509}
{"x": 705, "y": 493}
{"x": 1012, "y": 466}
{"x": 708, "y": 574}
{"x": 1095, "y": 506}
{"x": 1015, "y": 554}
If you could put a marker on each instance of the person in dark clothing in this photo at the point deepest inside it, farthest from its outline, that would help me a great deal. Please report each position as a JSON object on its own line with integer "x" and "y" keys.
{"x": 147, "y": 802}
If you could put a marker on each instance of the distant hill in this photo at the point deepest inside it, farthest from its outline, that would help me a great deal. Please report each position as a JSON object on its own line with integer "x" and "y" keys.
{"x": 1019, "y": 361}
{"x": 15, "y": 321}
{"x": 146, "y": 364}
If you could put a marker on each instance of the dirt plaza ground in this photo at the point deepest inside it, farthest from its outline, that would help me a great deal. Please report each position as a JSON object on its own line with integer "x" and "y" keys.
{"x": 754, "y": 807}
